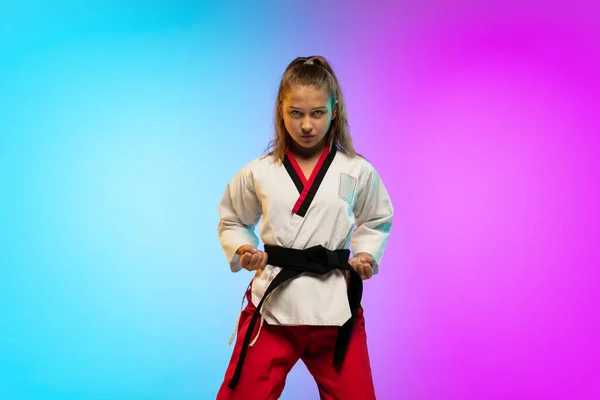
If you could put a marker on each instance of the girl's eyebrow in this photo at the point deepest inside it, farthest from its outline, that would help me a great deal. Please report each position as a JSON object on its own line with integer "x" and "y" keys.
{"x": 316, "y": 108}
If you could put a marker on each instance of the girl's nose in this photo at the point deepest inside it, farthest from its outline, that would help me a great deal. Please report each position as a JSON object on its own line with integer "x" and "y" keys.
{"x": 306, "y": 125}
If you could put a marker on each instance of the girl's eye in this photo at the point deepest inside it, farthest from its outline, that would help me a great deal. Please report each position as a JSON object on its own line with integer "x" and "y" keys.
{"x": 295, "y": 113}
{"x": 319, "y": 112}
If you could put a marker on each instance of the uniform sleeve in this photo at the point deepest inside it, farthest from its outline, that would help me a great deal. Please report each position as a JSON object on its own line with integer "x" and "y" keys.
{"x": 373, "y": 213}
{"x": 239, "y": 212}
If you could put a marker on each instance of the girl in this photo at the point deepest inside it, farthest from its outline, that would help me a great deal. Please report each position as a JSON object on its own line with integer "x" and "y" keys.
{"x": 311, "y": 189}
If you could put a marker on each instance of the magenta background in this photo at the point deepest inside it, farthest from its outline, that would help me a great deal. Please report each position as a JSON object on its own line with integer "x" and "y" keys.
{"x": 488, "y": 138}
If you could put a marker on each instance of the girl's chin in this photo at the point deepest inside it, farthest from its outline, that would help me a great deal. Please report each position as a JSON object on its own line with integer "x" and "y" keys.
{"x": 308, "y": 142}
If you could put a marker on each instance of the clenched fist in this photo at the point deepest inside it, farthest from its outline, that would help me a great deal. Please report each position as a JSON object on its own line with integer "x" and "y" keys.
{"x": 252, "y": 259}
{"x": 363, "y": 264}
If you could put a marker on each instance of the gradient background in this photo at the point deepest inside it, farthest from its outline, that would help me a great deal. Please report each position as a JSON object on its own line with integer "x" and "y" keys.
{"x": 121, "y": 123}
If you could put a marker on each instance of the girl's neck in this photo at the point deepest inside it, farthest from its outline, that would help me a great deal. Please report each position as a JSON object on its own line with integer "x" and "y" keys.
{"x": 308, "y": 154}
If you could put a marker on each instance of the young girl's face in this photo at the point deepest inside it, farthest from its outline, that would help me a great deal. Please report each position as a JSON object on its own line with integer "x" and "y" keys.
{"x": 307, "y": 115}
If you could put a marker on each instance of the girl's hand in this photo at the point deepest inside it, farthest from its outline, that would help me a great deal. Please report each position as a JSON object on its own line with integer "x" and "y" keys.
{"x": 252, "y": 259}
{"x": 363, "y": 264}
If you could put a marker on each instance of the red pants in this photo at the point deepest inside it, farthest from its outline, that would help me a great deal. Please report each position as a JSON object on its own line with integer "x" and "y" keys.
{"x": 278, "y": 348}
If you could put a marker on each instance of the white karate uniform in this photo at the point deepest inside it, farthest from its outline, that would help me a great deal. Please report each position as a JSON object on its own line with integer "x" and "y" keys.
{"x": 350, "y": 194}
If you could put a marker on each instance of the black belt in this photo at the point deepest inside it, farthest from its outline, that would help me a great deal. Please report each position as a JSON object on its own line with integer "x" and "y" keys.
{"x": 293, "y": 262}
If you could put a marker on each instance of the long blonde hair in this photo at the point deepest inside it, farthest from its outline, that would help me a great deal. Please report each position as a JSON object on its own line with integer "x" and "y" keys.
{"x": 312, "y": 71}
